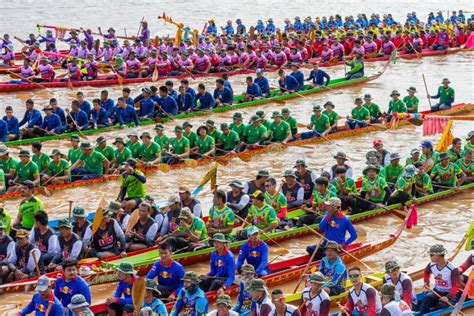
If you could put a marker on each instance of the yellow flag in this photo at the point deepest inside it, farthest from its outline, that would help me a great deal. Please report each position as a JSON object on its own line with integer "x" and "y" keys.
{"x": 446, "y": 138}
{"x": 470, "y": 237}
{"x": 211, "y": 175}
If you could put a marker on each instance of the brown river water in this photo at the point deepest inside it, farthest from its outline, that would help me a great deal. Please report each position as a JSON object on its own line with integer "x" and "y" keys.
{"x": 439, "y": 222}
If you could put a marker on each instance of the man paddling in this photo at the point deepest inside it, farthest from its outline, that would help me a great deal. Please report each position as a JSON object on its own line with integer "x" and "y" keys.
{"x": 375, "y": 191}
{"x": 362, "y": 298}
{"x": 316, "y": 300}
{"x": 91, "y": 164}
{"x": 142, "y": 234}
{"x": 26, "y": 170}
{"x": 254, "y": 251}
{"x": 191, "y": 299}
{"x": 445, "y": 95}
{"x": 121, "y": 301}
{"x": 58, "y": 169}
{"x": 108, "y": 237}
{"x": 333, "y": 269}
{"x": 43, "y": 302}
{"x": 402, "y": 282}
{"x": 190, "y": 233}
{"x": 446, "y": 174}
{"x": 43, "y": 237}
{"x": 391, "y": 306}
{"x": 221, "y": 217}
{"x": 81, "y": 226}
{"x": 259, "y": 293}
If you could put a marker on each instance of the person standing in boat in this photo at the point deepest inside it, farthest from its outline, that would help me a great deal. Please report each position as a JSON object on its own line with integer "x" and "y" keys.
{"x": 191, "y": 299}
{"x": 316, "y": 300}
{"x": 43, "y": 237}
{"x": 362, "y": 298}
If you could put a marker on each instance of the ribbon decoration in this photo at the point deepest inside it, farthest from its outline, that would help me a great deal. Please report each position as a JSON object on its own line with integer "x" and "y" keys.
{"x": 433, "y": 124}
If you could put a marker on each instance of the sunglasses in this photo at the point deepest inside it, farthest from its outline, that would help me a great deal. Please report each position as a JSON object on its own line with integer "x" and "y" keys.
{"x": 268, "y": 185}
{"x": 354, "y": 276}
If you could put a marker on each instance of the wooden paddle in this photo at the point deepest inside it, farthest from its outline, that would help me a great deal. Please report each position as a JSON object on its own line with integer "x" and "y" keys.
{"x": 99, "y": 215}
{"x": 70, "y": 210}
{"x": 282, "y": 249}
{"x": 465, "y": 292}
{"x": 138, "y": 293}
{"x": 30, "y": 81}
{"x": 314, "y": 231}
{"x": 36, "y": 263}
{"x": 426, "y": 88}
{"x": 307, "y": 265}
{"x": 133, "y": 220}
{"x": 439, "y": 296}
{"x": 43, "y": 189}
{"x": 81, "y": 134}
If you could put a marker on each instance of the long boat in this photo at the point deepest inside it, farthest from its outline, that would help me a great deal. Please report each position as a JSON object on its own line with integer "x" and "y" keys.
{"x": 104, "y": 270}
{"x": 341, "y": 133}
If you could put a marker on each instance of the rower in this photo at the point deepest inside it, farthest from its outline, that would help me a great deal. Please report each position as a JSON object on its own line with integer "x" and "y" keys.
{"x": 40, "y": 158}
{"x": 205, "y": 98}
{"x": 31, "y": 118}
{"x": 448, "y": 174}
{"x": 98, "y": 116}
{"x": 229, "y": 140}
{"x": 467, "y": 166}
{"x": 253, "y": 91}
{"x": 43, "y": 302}
{"x": 445, "y": 95}
{"x": 360, "y": 116}
{"x": 357, "y": 66}
{"x": 43, "y": 237}
{"x": 103, "y": 148}
{"x": 57, "y": 170}
{"x": 404, "y": 188}
{"x": 384, "y": 154}
{"x": 180, "y": 147}
{"x": 465, "y": 265}
{"x": 91, "y": 164}
{"x": 169, "y": 273}
{"x": 146, "y": 105}
{"x": 279, "y": 130}
{"x": 134, "y": 144}
{"x": 285, "y": 112}
{"x": 21, "y": 263}
{"x": 414, "y": 158}
{"x": 429, "y": 157}
{"x": 81, "y": 226}
{"x": 191, "y": 299}
{"x": 222, "y": 266}
{"x": 8, "y": 166}
{"x": 108, "y": 237}
{"x": 278, "y": 201}
{"x": 362, "y": 298}
{"x": 292, "y": 189}
{"x": 237, "y": 125}
{"x": 51, "y": 124}
{"x": 317, "y": 77}
{"x": 259, "y": 293}
{"x": 391, "y": 306}
{"x": 335, "y": 226}
{"x": 190, "y": 234}
{"x": 315, "y": 299}
{"x": 395, "y": 105}
{"x": 79, "y": 306}
{"x": 244, "y": 304}
{"x": 341, "y": 159}
{"x": 121, "y": 301}
{"x": 171, "y": 218}
{"x": 455, "y": 152}
{"x": 287, "y": 83}
{"x": 70, "y": 283}
{"x": 393, "y": 170}
{"x": 261, "y": 215}
{"x": 189, "y": 201}
{"x": 345, "y": 189}
{"x": 205, "y": 144}
{"x": 262, "y": 82}
{"x": 422, "y": 180}
{"x": 411, "y": 101}
{"x": 7, "y": 245}
{"x": 254, "y": 252}
{"x": 150, "y": 301}
{"x": 401, "y": 281}
{"x": 70, "y": 245}
{"x": 298, "y": 75}
{"x": 124, "y": 113}
{"x": 333, "y": 269}
{"x": 281, "y": 308}
{"x": 321, "y": 193}
{"x": 224, "y": 306}
{"x": 319, "y": 124}
{"x": 470, "y": 142}
{"x": 150, "y": 152}
{"x": 45, "y": 71}
{"x": 165, "y": 103}
{"x": 374, "y": 109}
{"x": 374, "y": 191}
{"x": 446, "y": 277}
{"x": 143, "y": 233}
{"x": 223, "y": 95}
{"x": 189, "y": 134}
{"x": 263, "y": 120}
{"x": 121, "y": 154}
{"x": 77, "y": 119}
{"x": 26, "y": 170}
{"x": 332, "y": 115}
{"x": 28, "y": 207}
{"x": 13, "y": 132}
{"x": 161, "y": 139}
{"x": 221, "y": 216}
{"x": 75, "y": 151}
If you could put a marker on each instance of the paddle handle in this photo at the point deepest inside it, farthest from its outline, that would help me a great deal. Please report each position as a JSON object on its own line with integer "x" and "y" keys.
{"x": 439, "y": 296}
{"x": 30, "y": 81}
{"x": 307, "y": 265}
{"x": 426, "y": 88}
{"x": 261, "y": 231}
{"x": 75, "y": 124}
{"x": 70, "y": 209}
{"x": 36, "y": 263}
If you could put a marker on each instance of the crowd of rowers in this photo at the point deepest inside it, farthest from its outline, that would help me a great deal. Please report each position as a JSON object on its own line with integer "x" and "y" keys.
{"x": 259, "y": 206}
{"x": 232, "y": 50}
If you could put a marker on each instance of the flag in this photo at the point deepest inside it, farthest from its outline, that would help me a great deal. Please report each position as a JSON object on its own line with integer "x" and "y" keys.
{"x": 446, "y": 138}
{"x": 211, "y": 175}
{"x": 470, "y": 237}
{"x": 413, "y": 217}
{"x": 393, "y": 57}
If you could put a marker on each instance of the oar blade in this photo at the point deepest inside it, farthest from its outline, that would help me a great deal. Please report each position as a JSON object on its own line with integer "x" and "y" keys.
{"x": 138, "y": 293}
{"x": 132, "y": 221}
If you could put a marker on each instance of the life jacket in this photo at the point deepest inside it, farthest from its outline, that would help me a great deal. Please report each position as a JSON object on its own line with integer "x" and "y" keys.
{"x": 360, "y": 300}
{"x": 143, "y": 228}
{"x": 105, "y": 239}
{"x": 313, "y": 303}
{"x": 42, "y": 241}
{"x": 66, "y": 246}
{"x": 80, "y": 231}
{"x": 236, "y": 200}
{"x": 4, "y": 246}
{"x": 252, "y": 187}
{"x": 291, "y": 193}
{"x": 442, "y": 276}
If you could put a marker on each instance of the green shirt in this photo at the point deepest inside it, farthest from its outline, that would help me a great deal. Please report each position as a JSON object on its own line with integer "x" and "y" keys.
{"x": 108, "y": 152}
{"x": 223, "y": 218}
{"x": 453, "y": 156}
{"x": 405, "y": 184}
{"x": 424, "y": 181}
{"x": 192, "y": 137}
{"x": 60, "y": 169}
{"x": 468, "y": 169}
{"x": 278, "y": 201}
{"x": 411, "y": 161}
{"x": 332, "y": 117}
{"x": 373, "y": 108}
{"x": 262, "y": 217}
{"x": 239, "y": 129}
{"x": 163, "y": 141}
{"x": 293, "y": 125}
{"x": 447, "y": 175}
{"x": 320, "y": 124}
{"x": 391, "y": 173}
{"x": 397, "y": 107}
{"x": 6, "y": 220}
{"x": 432, "y": 159}
{"x": 2, "y": 181}
{"x": 26, "y": 171}
{"x": 8, "y": 165}
{"x": 467, "y": 147}
{"x": 197, "y": 227}
{"x": 348, "y": 185}
{"x": 279, "y": 131}
{"x": 180, "y": 146}
{"x": 93, "y": 162}
{"x": 215, "y": 134}
{"x": 135, "y": 148}
{"x": 150, "y": 152}
{"x": 135, "y": 188}
{"x": 205, "y": 144}
{"x": 445, "y": 95}
{"x": 27, "y": 211}
{"x": 361, "y": 114}
{"x": 255, "y": 134}
{"x": 41, "y": 161}
{"x": 123, "y": 155}
{"x": 231, "y": 140}
{"x": 375, "y": 189}
{"x": 74, "y": 154}
{"x": 319, "y": 198}
{"x": 410, "y": 103}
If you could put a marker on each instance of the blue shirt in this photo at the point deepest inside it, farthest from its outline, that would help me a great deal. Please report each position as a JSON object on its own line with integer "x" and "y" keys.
{"x": 336, "y": 227}
{"x": 192, "y": 92}
{"x": 299, "y": 76}
{"x": 157, "y": 306}
{"x": 170, "y": 275}
{"x": 289, "y": 84}
{"x": 223, "y": 266}
{"x": 229, "y": 29}
{"x": 196, "y": 302}
{"x": 225, "y": 95}
{"x": 185, "y": 102}
{"x": 81, "y": 119}
{"x": 270, "y": 28}
{"x": 256, "y": 256}
{"x": 254, "y": 90}
{"x": 244, "y": 305}
{"x": 318, "y": 77}
{"x": 86, "y": 107}
{"x": 52, "y": 123}
{"x": 147, "y": 108}
{"x": 31, "y": 118}
{"x": 123, "y": 289}
{"x": 335, "y": 273}
{"x": 12, "y": 125}
{"x": 64, "y": 291}
{"x": 108, "y": 106}
{"x": 3, "y": 130}
{"x": 126, "y": 115}
{"x": 173, "y": 93}
{"x": 211, "y": 29}
{"x": 39, "y": 306}
{"x": 228, "y": 85}
{"x": 62, "y": 115}
{"x": 263, "y": 84}
{"x": 100, "y": 117}
{"x": 169, "y": 105}
{"x": 206, "y": 100}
